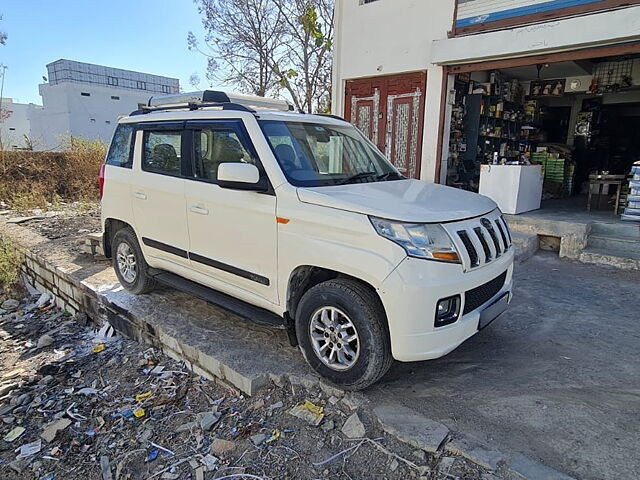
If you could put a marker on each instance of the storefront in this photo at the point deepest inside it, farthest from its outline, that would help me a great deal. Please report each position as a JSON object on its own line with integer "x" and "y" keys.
{"x": 555, "y": 127}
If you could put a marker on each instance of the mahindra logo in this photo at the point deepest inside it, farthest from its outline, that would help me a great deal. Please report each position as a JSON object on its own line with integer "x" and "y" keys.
{"x": 485, "y": 223}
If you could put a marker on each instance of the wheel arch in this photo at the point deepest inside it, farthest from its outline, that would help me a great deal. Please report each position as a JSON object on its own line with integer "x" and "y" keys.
{"x": 304, "y": 277}
{"x": 111, "y": 227}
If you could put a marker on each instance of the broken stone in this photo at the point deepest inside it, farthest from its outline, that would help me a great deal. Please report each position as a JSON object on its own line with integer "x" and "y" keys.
{"x": 8, "y": 420}
{"x": 222, "y": 447}
{"x": 333, "y": 400}
{"x": 45, "y": 341}
{"x": 445, "y": 464}
{"x": 258, "y": 404}
{"x": 258, "y": 439}
{"x": 276, "y": 406}
{"x": 10, "y": 305}
{"x": 353, "y": 427}
{"x": 186, "y": 427}
{"x": 419, "y": 454}
{"x": 23, "y": 399}
{"x": 353, "y": 402}
{"x": 393, "y": 466}
{"x": 207, "y": 420}
{"x": 7, "y": 388}
{"x": 308, "y": 412}
{"x": 327, "y": 425}
{"x": 51, "y": 430}
{"x": 46, "y": 380}
{"x": 410, "y": 427}
{"x": 209, "y": 462}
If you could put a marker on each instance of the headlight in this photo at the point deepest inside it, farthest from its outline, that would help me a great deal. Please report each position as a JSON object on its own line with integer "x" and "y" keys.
{"x": 418, "y": 239}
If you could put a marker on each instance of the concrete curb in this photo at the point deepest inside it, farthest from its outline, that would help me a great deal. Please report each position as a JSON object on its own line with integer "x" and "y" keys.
{"x": 91, "y": 288}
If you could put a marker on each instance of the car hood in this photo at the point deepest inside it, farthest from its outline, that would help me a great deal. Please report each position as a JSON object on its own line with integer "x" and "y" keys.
{"x": 402, "y": 200}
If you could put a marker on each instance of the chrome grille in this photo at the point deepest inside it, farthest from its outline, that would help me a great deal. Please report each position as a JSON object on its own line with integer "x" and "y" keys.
{"x": 482, "y": 240}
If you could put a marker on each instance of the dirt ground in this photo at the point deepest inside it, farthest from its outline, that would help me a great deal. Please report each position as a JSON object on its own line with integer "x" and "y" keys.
{"x": 80, "y": 403}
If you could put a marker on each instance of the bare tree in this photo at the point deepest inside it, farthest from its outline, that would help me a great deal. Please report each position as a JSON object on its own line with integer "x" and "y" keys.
{"x": 243, "y": 36}
{"x": 304, "y": 69}
{"x": 264, "y": 46}
{"x": 3, "y": 36}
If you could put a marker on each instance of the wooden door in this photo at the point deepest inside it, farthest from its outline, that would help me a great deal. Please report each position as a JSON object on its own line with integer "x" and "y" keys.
{"x": 390, "y": 112}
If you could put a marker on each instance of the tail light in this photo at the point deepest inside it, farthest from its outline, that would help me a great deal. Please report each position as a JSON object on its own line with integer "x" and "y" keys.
{"x": 101, "y": 180}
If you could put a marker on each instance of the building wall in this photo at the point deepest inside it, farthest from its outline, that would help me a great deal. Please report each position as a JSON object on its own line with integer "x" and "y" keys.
{"x": 82, "y": 110}
{"x": 387, "y": 37}
{"x": 17, "y": 125}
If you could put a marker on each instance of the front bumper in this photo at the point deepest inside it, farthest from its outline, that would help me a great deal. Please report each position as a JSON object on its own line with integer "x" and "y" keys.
{"x": 410, "y": 295}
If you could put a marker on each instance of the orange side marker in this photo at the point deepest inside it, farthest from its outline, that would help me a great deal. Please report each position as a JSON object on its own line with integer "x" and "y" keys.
{"x": 283, "y": 221}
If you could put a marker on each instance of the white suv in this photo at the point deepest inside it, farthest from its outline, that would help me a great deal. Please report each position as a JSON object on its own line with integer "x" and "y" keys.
{"x": 299, "y": 221}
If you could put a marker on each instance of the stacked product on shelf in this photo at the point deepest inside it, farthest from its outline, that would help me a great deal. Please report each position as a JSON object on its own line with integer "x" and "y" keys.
{"x": 632, "y": 212}
{"x": 558, "y": 173}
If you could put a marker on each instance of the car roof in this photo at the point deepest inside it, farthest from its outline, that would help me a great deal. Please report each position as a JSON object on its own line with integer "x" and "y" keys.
{"x": 219, "y": 114}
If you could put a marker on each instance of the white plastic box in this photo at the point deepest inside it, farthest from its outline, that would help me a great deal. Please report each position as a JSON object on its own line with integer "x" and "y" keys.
{"x": 515, "y": 188}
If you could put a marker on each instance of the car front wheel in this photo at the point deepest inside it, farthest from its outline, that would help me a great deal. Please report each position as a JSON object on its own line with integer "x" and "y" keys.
{"x": 341, "y": 329}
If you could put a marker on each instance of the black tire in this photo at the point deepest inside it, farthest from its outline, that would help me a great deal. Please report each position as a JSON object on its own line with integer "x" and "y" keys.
{"x": 143, "y": 282}
{"x": 364, "y": 309}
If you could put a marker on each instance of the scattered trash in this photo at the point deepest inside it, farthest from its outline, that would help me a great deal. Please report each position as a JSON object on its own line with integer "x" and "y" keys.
{"x": 258, "y": 439}
{"x": 309, "y": 412}
{"x": 274, "y": 436}
{"x": 29, "y": 449}
{"x": 276, "y": 406}
{"x": 143, "y": 396}
{"x": 210, "y": 462}
{"x": 48, "y": 476}
{"x": 14, "y": 434}
{"x": 153, "y": 454}
{"x": 45, "y": 341}
{"x": 52, "y": 429}
{"x": 98, "y": 348}
{"x": 87, "y": 391}
{"x": 222, "y": 447}
{"x": 139, "y": 412}
{"x": 207, "y": 420}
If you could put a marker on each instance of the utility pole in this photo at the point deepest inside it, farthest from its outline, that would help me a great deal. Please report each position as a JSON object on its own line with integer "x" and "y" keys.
{"x": 4, "y": 69}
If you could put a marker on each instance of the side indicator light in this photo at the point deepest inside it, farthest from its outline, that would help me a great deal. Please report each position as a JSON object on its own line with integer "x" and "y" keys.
{"x": 282, "y": 221}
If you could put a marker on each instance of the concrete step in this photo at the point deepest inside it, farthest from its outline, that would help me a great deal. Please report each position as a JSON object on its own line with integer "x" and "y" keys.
{"x": 622, "y": 244}
{"x": 622, "y": 260}
{"x": 616, "y": 229}
{"x": 526, "y": 245}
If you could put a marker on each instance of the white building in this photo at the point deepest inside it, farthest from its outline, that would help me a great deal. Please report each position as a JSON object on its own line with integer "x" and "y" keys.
{"x": 84, "y": 100}
{"x": 15, "y": 123}
{"x": 403, "y": 68}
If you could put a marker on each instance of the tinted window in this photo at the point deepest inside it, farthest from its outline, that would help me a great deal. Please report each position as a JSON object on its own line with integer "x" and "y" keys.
{"x": 215, "y": 146}
{"x": 161, "y": 152}
{"x": 120, "y": 151}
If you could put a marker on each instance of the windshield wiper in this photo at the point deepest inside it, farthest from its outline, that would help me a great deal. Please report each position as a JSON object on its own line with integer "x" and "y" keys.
{"x": 357, "y": 176}
{"x": 392, "y": 175}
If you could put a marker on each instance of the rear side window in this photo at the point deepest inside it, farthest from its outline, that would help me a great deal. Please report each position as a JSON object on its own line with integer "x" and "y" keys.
{"x": 121, "y": 149}
{"x": 161, "y": 152}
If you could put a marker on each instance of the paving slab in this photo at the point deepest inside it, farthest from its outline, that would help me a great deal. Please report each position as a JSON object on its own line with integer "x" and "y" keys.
{"x": 411, "y": 427}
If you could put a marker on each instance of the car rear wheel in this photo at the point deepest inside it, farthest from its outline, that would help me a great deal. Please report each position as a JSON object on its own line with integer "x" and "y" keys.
{"x": 341, "y": 330}
{"x": 129, "y": 263}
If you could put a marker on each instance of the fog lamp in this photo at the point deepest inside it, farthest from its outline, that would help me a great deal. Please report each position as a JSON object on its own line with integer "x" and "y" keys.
{"x": 447, "y": 311}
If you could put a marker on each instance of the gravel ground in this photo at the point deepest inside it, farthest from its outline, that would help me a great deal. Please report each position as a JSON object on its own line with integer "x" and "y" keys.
{"x": 126, "y": 411}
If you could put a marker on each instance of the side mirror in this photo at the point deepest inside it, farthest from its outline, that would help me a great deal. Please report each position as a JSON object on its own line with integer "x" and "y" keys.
{"x": 240, "y": 176}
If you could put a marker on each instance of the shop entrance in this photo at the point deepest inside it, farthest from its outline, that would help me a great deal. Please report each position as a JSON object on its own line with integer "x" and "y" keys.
{"x": 574, "y": 118}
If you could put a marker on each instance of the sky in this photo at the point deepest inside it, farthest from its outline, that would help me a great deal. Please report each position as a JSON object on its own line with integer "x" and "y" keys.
{"x": 148, "y": 36}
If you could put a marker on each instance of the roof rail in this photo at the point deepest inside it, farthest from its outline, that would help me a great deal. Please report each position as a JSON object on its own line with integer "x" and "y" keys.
{"x": 191, "y": 106}
{"x": 205, "y": 98}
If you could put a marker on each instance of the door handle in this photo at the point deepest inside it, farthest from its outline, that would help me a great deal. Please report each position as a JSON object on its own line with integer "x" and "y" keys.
{"x": 199, "y": 210}
{"x": 140, "y": 195}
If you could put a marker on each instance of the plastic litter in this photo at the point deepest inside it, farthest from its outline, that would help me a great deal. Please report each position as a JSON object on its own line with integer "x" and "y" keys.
{"x": 14, "y": 434}
{"x": 98, "y": 348}
{"x": 139, "y": 412}
{"x": 29, "y": 449}
{"x": 153, "y": 454}
{"x": 143, "y": 396}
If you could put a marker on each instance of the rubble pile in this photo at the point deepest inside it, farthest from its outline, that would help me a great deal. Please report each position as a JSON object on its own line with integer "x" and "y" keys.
{"x": 81, "y": 403}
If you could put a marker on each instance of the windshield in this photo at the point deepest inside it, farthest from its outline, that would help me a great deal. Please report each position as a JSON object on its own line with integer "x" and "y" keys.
{"x": 315, "y": 154}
